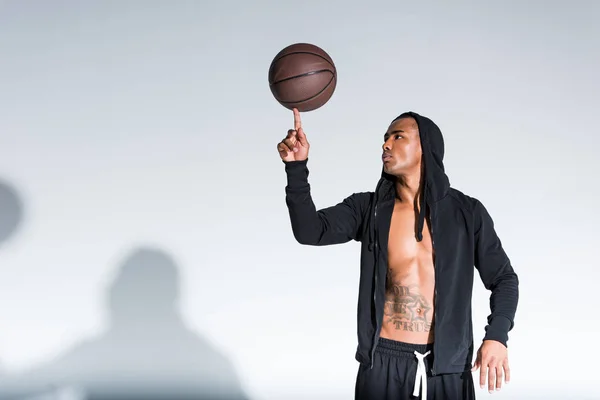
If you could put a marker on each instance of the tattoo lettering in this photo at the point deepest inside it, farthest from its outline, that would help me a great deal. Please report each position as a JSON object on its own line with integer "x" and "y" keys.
{"x": 406, "y": 309}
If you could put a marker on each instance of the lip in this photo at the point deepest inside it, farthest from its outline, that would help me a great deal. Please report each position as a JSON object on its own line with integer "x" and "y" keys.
{"x": 386, "y": 157}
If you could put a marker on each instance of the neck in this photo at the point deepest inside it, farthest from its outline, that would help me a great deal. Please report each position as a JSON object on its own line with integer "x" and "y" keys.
{"x": 408, "y": 188}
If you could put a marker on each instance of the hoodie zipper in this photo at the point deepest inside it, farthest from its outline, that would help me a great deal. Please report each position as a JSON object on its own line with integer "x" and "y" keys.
{"x": 435, "y": 296}
{"x": 375, "y": 269}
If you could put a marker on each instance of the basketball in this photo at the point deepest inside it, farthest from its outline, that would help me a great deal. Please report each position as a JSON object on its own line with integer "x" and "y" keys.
{"x": 302, "y": 76}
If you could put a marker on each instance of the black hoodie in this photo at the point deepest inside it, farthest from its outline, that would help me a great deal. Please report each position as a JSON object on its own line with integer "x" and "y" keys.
{"x": 463, "y": 238}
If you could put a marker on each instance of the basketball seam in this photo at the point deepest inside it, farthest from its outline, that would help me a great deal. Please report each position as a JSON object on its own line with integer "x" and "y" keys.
{"x": 303, "y": 52}
{"x": 301, "y": 75}
{"x": 311, "y": 97}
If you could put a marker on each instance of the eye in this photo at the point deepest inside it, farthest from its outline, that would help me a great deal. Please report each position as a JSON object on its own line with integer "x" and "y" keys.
{"x": 397, "y": 136}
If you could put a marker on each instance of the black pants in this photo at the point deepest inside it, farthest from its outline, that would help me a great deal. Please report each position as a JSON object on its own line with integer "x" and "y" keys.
{"x": 394, "y": 374}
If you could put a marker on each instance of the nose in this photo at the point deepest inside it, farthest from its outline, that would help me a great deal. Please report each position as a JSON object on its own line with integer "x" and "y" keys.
{"x": 387, "y": 145}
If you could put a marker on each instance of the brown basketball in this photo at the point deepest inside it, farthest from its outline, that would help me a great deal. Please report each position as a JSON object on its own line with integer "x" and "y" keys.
{"x": 302, "y": 76}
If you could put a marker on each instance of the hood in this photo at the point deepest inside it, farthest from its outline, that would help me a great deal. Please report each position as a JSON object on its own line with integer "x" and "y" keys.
{"x": 436, "y": 183}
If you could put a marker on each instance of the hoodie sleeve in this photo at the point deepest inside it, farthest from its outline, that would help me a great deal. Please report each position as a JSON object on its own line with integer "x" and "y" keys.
{"x": 336, "y": 224}
{"x": 497, "y": 275}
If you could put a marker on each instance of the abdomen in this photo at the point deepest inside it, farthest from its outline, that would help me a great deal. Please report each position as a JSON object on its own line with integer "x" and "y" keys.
{"x": 409, "y": 303}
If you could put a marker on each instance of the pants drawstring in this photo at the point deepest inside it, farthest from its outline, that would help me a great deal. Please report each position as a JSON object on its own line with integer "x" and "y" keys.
{"x": 421, "y": 376}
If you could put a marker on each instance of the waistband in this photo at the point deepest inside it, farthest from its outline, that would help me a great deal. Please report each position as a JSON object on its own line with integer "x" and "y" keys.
{"x": 402, "y": 349}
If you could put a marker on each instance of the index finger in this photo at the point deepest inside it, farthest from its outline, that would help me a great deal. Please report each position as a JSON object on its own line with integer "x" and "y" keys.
{"x": 297, "y": 121}
{"x": 483, "y": 372}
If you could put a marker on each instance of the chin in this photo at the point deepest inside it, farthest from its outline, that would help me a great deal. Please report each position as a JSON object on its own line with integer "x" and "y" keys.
{"x": 388, "y": 169}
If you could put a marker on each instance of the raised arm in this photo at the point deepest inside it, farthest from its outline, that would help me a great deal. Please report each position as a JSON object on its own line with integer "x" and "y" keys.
{"x": 332, "y": 225}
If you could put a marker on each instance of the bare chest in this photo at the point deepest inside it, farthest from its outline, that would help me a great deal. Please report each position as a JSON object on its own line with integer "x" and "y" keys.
{"x": 402, "y": 242}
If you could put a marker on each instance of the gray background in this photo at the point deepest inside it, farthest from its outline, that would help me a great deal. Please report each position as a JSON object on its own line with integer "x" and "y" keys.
{"x": 150, "y": 124}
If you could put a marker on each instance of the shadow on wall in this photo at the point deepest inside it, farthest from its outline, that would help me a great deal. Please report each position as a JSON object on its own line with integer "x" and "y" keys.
{"x": 11, "y": 214}
{"x": 11, "y": 211}
{"x": 147, "y": 352}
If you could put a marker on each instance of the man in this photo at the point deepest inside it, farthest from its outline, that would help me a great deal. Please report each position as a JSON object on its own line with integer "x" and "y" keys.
{"x": 421, "y": 240}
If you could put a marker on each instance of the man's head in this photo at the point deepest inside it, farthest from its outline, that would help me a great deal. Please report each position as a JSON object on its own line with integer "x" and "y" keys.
{"x": 402, "y": 148}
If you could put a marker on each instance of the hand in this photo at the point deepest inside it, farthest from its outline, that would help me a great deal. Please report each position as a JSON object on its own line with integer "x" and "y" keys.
{"x": 492, "y": 359}
{"x": 294, "y": 147}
